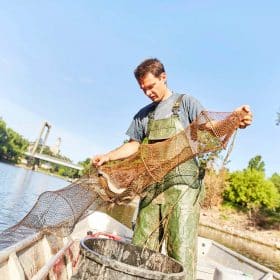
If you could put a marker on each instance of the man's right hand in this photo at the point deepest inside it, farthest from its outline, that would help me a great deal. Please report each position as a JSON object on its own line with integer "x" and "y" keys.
{"x": 98, "y": 160}
{"x": 124, "y": 151}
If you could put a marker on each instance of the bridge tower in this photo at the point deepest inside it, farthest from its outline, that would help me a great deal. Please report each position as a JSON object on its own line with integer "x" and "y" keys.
{"x": 44, "y": 126}
{"x": 55, "y": 149}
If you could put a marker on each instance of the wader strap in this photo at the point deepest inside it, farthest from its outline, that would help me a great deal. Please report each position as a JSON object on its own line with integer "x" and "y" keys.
{"x": 175, "y": 108}
{"x": 177, "y": 104}
{"x": 151, "y": 114}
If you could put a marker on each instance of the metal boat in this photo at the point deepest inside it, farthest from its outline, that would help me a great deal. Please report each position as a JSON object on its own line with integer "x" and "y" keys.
{"x": 51, "y": 257}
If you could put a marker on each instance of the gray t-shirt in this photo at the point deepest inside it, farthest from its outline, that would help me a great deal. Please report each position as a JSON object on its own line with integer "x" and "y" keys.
{"x": 189, "y": 110}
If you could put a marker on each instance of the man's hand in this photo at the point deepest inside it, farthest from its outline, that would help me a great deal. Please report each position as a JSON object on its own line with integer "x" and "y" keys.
{"x": 98, "y": 160}
{"x": 247, "y": 115}
{"x": 124, "y": 151}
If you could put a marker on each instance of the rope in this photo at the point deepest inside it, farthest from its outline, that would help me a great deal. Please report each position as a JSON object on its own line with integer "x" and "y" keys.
{"x": 225, "y": 161}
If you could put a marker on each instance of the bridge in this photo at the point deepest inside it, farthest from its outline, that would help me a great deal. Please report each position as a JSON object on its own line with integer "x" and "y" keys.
{"x": 32, "y": 151}
{"x": 54, "y": 160}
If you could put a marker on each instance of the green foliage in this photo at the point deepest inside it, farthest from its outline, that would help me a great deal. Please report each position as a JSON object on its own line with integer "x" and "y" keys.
{"x": 56, "y": 168}
{"x": 12, "y": 144}
{"x": 61, "y": 171}
{"x": 87, "y": 166}
{"x": 3, "y": 138}
{"x": 256, "y": 163}
{"x": 275, "y": 179}
{"x": 278, "y": 118}
{"x": 64, "y": 171}
{"x": 47, "y": 151}
{"x": 250, "y": 189}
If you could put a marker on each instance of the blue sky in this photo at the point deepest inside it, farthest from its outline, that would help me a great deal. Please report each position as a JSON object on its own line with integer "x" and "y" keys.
{"x": 71, "y": 63}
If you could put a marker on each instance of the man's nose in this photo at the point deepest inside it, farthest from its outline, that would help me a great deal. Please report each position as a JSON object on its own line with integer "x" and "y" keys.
{"x": 148, "y": 92}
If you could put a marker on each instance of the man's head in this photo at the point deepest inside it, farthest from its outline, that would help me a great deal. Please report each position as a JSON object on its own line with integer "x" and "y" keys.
{"x": 152, "y": 78}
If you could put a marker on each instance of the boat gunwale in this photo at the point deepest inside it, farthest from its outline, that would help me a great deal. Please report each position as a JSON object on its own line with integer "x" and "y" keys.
{"x": 30, "y": 240}
{"x": 244, "y": 259}
{"x": 43, "y": 272}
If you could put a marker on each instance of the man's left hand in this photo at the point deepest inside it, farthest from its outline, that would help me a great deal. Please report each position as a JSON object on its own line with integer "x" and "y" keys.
{"x": 247, "y": 116}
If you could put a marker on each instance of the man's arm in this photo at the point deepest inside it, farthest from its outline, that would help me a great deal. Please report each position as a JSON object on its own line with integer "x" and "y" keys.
{"x": 121, "y": 152}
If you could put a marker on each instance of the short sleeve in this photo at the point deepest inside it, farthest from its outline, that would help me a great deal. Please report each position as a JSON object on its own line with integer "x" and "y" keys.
{"x": 192, "y": 107}
{"x": 136, "y": 130}
{"x": 138, "y": 127}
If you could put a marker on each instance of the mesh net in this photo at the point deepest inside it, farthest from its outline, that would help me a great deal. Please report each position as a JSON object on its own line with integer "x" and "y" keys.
{"x": 120, "y": 181}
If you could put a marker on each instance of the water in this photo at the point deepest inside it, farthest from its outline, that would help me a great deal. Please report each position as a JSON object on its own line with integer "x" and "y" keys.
{"x": 265, "y": 255}
{"x": 124, "y": 214}
{"x": 19, "y": 190}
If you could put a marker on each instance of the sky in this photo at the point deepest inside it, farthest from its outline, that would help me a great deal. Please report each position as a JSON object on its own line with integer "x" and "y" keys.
{"x": 71, "y": 63}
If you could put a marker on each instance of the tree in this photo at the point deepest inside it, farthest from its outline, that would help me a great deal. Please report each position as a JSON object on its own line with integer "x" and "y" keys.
{"x": 278, "y": 118}
{"x": 250, "y": 189}
{"x": 16, "y": 145}
{"x": 87, "y": 166}
{"x": 275, "y": 179}
{"x": 12, "y": 144}
{"x": 3, "y": 138}
{"x": 256, "y": 163}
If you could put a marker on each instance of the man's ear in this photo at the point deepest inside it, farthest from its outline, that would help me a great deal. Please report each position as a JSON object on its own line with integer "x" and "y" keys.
{"x": 163, "y": 76}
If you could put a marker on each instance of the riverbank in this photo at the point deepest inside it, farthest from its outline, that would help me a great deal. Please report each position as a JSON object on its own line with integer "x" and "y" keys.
{"x": 41, "y": 171}
{"x": 238, "y": 224}
{"x": 44, "y": 171}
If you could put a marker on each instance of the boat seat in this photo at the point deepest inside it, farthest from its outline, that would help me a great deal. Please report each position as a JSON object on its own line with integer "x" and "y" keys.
{"x": 205, "y": 270}
{"x": 208, "y": 269}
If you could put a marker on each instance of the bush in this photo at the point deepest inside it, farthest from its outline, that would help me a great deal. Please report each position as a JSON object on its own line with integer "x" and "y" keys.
{"x": 275, "y": 179}
{"x": 250, "y": 189}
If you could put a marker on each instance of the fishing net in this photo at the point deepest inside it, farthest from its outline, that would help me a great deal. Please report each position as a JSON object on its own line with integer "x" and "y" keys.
{"x": 119, "y": 182}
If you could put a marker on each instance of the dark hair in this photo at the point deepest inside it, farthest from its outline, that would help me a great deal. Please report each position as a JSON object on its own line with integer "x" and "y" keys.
{"x": 151, "y": 65}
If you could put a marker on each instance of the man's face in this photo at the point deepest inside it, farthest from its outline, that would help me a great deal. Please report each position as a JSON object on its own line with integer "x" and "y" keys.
{"x": 154, "y": 87}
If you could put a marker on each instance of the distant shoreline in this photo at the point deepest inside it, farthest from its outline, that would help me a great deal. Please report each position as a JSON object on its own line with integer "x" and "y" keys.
{"x": 38, "y": 170}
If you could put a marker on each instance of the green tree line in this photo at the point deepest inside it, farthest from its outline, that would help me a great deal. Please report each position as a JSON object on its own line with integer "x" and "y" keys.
{"x": 12, "y": 144}
{"x": 60, "y": 170}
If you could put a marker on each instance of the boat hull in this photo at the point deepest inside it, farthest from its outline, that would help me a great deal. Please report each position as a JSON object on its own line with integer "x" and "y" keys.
{"x": 47, "y": 256}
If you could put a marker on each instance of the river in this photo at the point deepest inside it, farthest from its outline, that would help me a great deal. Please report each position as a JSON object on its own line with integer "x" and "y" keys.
{"x": 19, "y": 189}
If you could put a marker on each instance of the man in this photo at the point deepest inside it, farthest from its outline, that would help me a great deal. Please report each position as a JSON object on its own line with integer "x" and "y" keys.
{"x": 170, "y": 210}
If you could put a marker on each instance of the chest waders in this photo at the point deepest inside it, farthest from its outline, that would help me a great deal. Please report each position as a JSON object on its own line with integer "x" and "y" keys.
{"x": 170, "y": 210}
